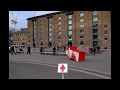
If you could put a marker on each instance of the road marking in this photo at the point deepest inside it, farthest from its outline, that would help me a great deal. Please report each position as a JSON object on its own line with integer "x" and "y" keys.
{"x": 90, "y": 73}
{"x": 70, "y": 68}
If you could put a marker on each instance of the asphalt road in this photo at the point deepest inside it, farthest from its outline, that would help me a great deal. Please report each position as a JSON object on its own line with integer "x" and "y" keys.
{"x": 22, "y": 70}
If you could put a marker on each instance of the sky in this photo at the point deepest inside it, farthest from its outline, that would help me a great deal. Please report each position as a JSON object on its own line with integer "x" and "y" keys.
{"x": 23, "y": 15}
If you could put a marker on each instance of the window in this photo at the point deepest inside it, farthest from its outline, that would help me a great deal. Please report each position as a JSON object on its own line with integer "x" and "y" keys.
{"x": 105, "y": 38}
{"x": 70, "y": 22}
{"x": 81, "y": 43}
{"x": 50, "y": 34}
{"x": 70, "y": 27}
{"x": 81, "y": 37}
{"x": 59, "y": 18}
{"x": 59, "y": 23}
{"x": 34, "y": 35}
{"x": 95, "y": 24}
{"x": 33, "y": 31}
{"x": 81, "y": 25}
{"x": 95, "y": 19}
{"x": 105, "y": 32}
{"x": 50, "y": 25}
{"x": 81, "y": 31}
{"x": 59, "y": 38}
{"x": 41, "y": 21}
{"x": 81, "y": 14}
{"x": 81, "y": 20}
{"x": 95, "y": 13}
{"x": 59, "y": 28}
{"x": 34, "y": 23}
{"x": 105, "y": 26}
{"x": 70, "y": 32}
{"x": 50, "y": 38}
{"x": 59, "y": 33}
{"x": 41, "y": 38}
{"x": 41, "y": 43}
{"x": 50, "y": 20}
{"x": 69, "y": 16}
{"x": 59, "y": 43}
{"x": 33, "y": 27}
{"x": 41, "y": 25}
{"x": 70, "y": 38}
{"x": 50, "y": 29}
{"x": 41, "y": 30}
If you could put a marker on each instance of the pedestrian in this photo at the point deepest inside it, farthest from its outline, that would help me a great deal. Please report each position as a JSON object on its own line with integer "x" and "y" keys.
{"x": 11, "y": 49}
{"x": 98, "y": 47}
{"x": 17, "y": 50}
{"x": 94, "y": 50}
{"x": 54, "y": 49}
{"x": 91, "y": 50}
{"x": 83, "y": 48}
{"x": 41, "y": 50}
{"x": 28, "y": 49}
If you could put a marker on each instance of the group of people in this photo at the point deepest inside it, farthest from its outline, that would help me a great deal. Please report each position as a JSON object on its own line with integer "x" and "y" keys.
{"x": 94, "y": 49}
{"x": 42, "y": 50}
{"x": 13, "y": 50}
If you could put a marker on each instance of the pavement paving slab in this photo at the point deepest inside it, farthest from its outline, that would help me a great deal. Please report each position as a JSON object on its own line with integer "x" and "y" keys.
{"x": 99, "y": 63}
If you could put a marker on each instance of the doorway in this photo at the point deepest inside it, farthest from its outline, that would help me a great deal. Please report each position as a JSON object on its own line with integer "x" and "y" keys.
{"x": 69, "y": 44}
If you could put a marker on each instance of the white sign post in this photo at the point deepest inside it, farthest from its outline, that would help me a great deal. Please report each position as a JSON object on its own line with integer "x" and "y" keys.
{"x": 62, "y": 68}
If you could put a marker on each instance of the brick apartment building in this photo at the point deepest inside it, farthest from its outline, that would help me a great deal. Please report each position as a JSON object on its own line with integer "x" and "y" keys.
{"x": 20, "y": 37}
{"x": 70, "y": 28}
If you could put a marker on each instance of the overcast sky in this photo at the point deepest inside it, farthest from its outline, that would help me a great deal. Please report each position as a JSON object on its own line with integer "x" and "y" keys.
{"x": 23, "y": 15}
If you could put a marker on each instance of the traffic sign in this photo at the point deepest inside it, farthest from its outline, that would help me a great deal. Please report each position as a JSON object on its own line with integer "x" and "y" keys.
{"x": 62, "y": 68}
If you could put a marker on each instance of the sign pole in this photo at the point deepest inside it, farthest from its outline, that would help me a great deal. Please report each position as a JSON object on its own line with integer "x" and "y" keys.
{"x": 62, "y": 75}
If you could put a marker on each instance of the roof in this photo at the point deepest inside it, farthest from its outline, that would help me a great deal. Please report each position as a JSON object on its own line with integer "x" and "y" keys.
{"x": 22, "y": 31}
{"x": 48, "y": 15}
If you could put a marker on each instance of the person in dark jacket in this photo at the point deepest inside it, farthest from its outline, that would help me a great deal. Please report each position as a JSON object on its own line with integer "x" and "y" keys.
{"x": 98, "y": 47}
{"x": 54, "y": 49}
{"x": 41, "y": 50}
{"x": 28, "y": 49}
{"x": 12, "y": 50}
{"x": 91, "y": 50}
{"x": 94, "y": 50}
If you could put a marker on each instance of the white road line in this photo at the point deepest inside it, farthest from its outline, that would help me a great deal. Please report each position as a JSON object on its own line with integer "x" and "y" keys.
{"x": 78, "y": 70}
{"x": 90, "y": 73}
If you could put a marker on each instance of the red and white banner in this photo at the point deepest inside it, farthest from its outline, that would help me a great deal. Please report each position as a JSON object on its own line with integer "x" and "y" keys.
{"x": 75, "y": 54}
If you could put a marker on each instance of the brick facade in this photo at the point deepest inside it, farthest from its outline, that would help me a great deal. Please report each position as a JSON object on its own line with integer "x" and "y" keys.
{"x": 60, "y": 35}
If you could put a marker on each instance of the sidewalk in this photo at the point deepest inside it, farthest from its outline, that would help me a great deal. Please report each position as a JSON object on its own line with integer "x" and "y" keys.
{"x": 99, "y": 63}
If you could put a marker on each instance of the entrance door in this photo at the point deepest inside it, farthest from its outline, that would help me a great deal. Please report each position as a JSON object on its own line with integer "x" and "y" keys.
{"x": 69, "y": 44}
{"x": 50, "y": 44}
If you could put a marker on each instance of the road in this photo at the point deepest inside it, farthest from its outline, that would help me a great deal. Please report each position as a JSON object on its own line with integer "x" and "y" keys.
{"x": 26, "y": 70}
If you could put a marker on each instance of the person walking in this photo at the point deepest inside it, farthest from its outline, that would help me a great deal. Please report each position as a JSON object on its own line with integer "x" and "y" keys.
{"x": 98, "y": 47}
{"x": 17, "y": 50}
{"x": 94, "y": 50}
{"x": 54, "y": 49}
{"x": 41, "y": 50}
{"x": 91, "y": 50}
{"x": 11, "y": 49}
{"x": 28, "y": 49}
